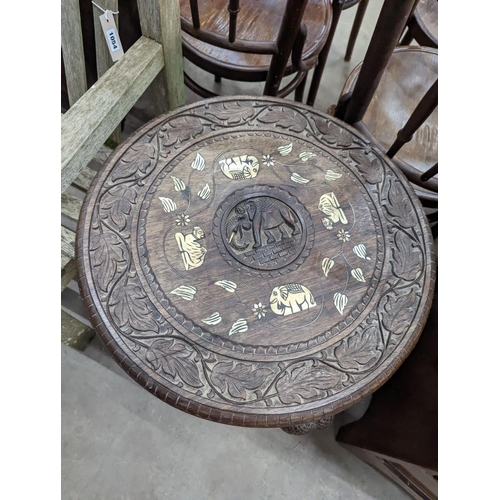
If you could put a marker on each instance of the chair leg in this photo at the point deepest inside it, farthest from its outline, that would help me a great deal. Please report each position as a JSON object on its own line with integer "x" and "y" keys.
{"x": 337, "y": 6}
{"x": 299, "y": 91}
{"x": 360, "y": 14}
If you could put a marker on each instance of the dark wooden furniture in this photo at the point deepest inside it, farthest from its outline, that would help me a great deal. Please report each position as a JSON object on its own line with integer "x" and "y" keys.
{"x": 423, "y": 25}
{"x": 391, "y": 97}
{"x": 398, "y": 435}
{"x": 263, "y": 40}
{"x": 255, "y": 262}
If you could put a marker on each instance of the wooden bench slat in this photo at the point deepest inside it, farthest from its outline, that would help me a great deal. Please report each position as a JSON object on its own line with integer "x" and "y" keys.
{"x": 68, "y": 273}
{"x": 72, "y": 49}
{"x": 68, "y": 263}
{"x": 67, "y": 246}
{"x": 102, "y": 155}
{"x": 71, "y": 206}
{"x": 87, "y": 124}
{"x": 84, "y": 180}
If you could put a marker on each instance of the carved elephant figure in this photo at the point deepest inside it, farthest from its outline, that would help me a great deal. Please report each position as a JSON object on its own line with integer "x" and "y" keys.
{"x": 290, "y": 299}
{"x": 236, "y": 227}
{"x": 265, "y": 215}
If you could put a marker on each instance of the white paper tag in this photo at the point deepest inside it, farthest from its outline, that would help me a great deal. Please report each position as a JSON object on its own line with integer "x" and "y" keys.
{"x": 111, "y": 35}
{"x": 112, "y": 40}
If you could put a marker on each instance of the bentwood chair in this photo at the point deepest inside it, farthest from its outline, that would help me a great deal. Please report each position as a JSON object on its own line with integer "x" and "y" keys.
{"x": 263, "y": 40}
{"x": 392, "y": 98}
{"x": 423, "y": 25}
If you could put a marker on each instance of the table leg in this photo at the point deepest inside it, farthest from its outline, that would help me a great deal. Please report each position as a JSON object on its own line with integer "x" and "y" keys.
{"x": 317, "y": 425}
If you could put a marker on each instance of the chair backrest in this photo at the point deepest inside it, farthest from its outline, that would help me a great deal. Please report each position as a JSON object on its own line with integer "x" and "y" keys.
{"x": 290, "y": 40}
{"x": 352, "y": 107}
{"x": 155, "y": 60}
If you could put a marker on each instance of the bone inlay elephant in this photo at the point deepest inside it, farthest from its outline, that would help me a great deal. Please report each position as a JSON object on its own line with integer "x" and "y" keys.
{"x": 291, "y": 298}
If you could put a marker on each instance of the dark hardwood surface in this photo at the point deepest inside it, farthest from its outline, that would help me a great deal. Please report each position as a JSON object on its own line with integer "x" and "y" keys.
{"x": 255, "y": 262}
{"x": 258, "y": 20}
{"x": 398, "y": 435}
{"x": 423, "y": 24}
{"x": 411, "y": 71}
{"x": 426, "y": 16}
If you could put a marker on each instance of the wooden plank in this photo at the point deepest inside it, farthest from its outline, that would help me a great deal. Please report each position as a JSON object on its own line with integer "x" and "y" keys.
{"x": 102, "y": 155}
{"x": 149, "y": 16}
{"x": 72, "y": 49}
{"x": 71, "y": 206}
{"x": 84, "y": 180}
{"x": 103, "y": 57}
{"x": 87, "y": 124}
{"x": 172, "y": 52}
{"x": 68, "y": 273}
{"x": 160, "y": 20}
{"x": 67, "y": 246}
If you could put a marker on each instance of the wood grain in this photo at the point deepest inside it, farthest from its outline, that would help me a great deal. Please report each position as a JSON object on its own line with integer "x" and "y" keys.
{"x": 236, "y": 259}
{"x": 257, "y": 21}
{"x": 160, "y": 21}
{"x": 72, "y": 50}
{"x": 103, "y": 57}
{"x": 424, "y": 23}
{"x": 84, "y": 180}
{"x": 409, "y": 74}
{"x": 85, "y": 127}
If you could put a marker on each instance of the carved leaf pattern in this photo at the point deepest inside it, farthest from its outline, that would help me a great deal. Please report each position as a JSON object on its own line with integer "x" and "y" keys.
{"x": 407, "y": 259}
{"x": 175, "y": 359}
{"x": 233, "y": 112}
{"x": 333, "y": 134}
{"x": 180, "y": 129}
{"x": 306, "y": 382}
{"x": 399, "y": 312}
{"x": 118, "y": 202}
{"x": 358, "y": 349}
{"x": 371, "y": 169}
{"x": 399, "y": 206}
{"x": 238, "y": 378}
{"x": 140, "y": 157}
{"x": 131, "y": 309}
{"x": 285, "y": 118}
{"x": 107, "y": 252}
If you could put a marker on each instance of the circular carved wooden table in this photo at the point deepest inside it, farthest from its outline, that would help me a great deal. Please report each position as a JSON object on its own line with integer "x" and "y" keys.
{"x": 255, "y": 262}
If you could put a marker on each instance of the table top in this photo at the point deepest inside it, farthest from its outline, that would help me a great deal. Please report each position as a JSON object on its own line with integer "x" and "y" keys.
{"x": 255, "y": 262}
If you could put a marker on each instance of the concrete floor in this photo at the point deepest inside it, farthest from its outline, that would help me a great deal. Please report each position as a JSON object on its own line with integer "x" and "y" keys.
{"x": 120, "y": 442}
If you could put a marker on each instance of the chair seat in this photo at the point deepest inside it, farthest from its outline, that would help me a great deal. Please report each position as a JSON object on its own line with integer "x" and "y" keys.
{"x": 258, "y": 20}
{"x": 426, "y": 18}
{"x": 409, "y": 74}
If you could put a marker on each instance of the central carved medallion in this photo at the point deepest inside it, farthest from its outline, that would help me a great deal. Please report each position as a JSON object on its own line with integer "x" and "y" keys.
{"x": 263, "y": 228}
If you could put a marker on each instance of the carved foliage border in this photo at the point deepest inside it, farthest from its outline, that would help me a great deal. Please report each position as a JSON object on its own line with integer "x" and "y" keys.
{"x": 210, "y": 376}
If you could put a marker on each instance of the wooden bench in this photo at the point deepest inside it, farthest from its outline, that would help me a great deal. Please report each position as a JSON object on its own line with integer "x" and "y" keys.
{"x": 153, "y": 64}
